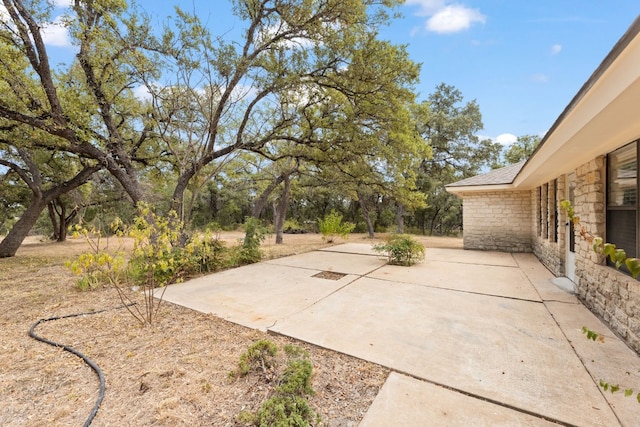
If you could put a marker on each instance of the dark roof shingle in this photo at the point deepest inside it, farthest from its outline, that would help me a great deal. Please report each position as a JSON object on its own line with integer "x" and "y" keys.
{"x": 504, "y": 175}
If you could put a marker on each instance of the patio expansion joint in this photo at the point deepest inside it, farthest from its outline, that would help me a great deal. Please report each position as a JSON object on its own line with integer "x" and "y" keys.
{"x": 577, "y": 302}
{"x": 477, "y": 263}
{"x": 486, "y": 399}
{"x": 349, "y": 253}
{"x": 462, "y": 291}
{"x": 595, "y": 380}
{"x": 357, "y": 276}
{"x": 573, "y": 348}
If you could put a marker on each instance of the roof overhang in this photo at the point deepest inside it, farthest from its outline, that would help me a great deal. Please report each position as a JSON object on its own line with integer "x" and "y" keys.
{"x": 479, "y": 188}
{"x": 603, "y": 116}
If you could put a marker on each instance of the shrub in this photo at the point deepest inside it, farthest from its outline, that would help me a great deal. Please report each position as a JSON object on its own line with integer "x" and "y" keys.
{"x": 402, "y": 249}
{"x": 249, "y": 250}
{"x": 163, "y": 253}
{"x": 259, "y": 356}
{"x": 205, "y": 253}
{"x": 287, "y": 406}
{"x": 98, "y": 267}
{"x": 332, "y": 226}
{"x": 291, "y": 224}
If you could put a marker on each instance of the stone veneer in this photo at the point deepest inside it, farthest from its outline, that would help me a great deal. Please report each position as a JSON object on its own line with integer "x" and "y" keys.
{"x": 522, "y": 221}
{"x": 607, "y": 292}
{"x": 497, "y": 221}
{"x": 549, "y": 244}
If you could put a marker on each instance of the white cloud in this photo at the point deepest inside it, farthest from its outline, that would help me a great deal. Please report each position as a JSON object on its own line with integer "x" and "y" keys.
{"x": 427, "y": 7}
{"x": 452, "y": 19}
{"x": 56, "y": 33}
{"x": 445, "y": 17}
{"x": 142, "y": 93}
{"x": 556, "y": 49}
{"x": 273, "y": 31}
{"x": 506, "y": 139}
{"x": 540, "y": 78}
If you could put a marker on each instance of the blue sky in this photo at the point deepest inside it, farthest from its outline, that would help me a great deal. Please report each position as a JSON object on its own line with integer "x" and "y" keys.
{"x": 522, "y": 61}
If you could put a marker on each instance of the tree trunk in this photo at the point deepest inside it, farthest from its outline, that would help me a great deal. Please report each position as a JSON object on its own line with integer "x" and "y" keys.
{"x": 261, "y": 201}
{"x": 53, "y": 217}
{"x": 10, "y": 244}
{"x": 59, "y": 218}
{"x": 366, "y": 214}
{"x": 177, "y": 200}
{"x": 280, "y": 211}
{"x": 433, "y": 221}
{"x": 62, "y": 223}
{"x": 400, "y": 218}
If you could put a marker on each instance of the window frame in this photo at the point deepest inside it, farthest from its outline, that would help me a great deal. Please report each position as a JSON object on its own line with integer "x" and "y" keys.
{"x": 610, "y": 208}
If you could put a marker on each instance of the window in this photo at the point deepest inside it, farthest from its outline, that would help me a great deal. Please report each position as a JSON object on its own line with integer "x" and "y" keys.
{"x": 554, "y": 211}
{"x": 622, "y": 199}
{"x": 545, "y": 211}
{"x": 540, "y": 215}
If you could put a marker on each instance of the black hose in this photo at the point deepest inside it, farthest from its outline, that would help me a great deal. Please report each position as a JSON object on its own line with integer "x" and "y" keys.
{"x": 88, "y": 361}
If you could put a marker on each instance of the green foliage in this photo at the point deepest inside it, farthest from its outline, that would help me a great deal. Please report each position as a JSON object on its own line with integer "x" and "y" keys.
{"x": 98, "y": 267}
{"x": 332, "y": 226}
{"x": 157, "y": 258}
{"x": 402, "y": 249}
{"x": 259, "y": 356}
{"x": 568, "y": 208}
{"x": 296, "y": 378}
{"x": 616, "y": 388}
{"x": 291, "y": 224}
{"x": 249, "y": 251}
{"x": 633, "y": 265}
{"x": 287, "y": 406}
{"x": 163, "y": 253}
{"x": 618, "y": 257}
{"x": 282, "y": 411}
{"x": 521, "y": 149}
{"x": 450, "y": 126}
{"x": 592, "y": 335}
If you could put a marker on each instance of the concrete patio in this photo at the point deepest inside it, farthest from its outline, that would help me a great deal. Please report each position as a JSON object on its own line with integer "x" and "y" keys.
{"x": 473, "y": 338}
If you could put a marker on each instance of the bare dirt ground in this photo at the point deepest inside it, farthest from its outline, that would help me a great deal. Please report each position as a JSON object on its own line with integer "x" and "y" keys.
{"x": 174, "y": 373}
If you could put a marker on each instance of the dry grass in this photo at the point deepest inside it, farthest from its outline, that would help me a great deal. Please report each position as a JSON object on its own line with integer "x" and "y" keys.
{"x": 171, "y": 374}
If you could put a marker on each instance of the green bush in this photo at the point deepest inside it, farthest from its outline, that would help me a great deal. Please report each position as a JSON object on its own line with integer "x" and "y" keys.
{"x": 249, "y": 250}
{"x": 291, "y": 224}
{"x": 332, "y": 226}
{"x": 402, "y": 249}
{"x": 98, "y": 267}
{"x": 205, "y": 253}
{"x": 282, "y": 411}
{"x": 287, "y": 406}
{"x": 163, "y": 253}
{"x": 157, "y": 258}
{"x": 259, "y": 356}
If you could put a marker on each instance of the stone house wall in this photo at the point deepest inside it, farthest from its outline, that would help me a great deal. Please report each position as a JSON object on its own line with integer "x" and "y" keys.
{"x": 607, "y": 292}
{"x": 612, "y": 295}
{"x": 533, "y": 221}
{"x": 497, "y": 221}
{"x": 549, "y": 228}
